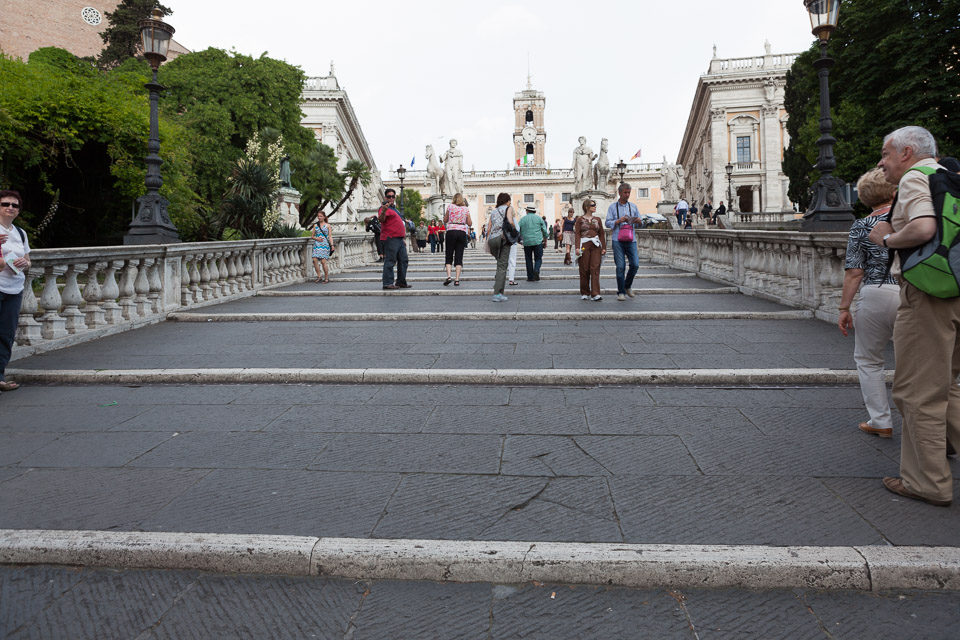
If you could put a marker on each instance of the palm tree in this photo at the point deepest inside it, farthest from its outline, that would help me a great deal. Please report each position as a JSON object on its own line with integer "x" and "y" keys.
{"x": 357, "y": 173}
{"x": 252, "y": 188}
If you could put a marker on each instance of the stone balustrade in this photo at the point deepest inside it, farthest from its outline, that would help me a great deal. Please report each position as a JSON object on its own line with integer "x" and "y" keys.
{"x": 801, "y": 270}
{"x": 85, "y": 293}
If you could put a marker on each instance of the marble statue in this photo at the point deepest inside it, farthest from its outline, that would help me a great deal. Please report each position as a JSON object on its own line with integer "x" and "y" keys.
{"x": 601, "y": 170}
{"x": 671, "y": 181}
{"x": 453, "y": 169}
{"x": 583, "y": 158}
{"x": 435, "y": 174}
{"x": 769, "y": 90}
{"x": 285, "y": 171}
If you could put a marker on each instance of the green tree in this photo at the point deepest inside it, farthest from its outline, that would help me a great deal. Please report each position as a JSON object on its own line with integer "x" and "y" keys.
{"x": 122, "y": 37}
{"x": 897, "y": 63}
{"x": 67, "y": 128}
{"x": 316, "y": 177}
{"x": 412, "y": 205}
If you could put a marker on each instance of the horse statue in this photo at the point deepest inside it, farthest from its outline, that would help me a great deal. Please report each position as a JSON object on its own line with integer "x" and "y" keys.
{"x": 601, "y": 170}
{"x": 434, "y": 171}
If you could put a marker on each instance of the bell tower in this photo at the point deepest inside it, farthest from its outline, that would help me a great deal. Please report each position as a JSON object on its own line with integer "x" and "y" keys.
{"x": 529, "y": 135}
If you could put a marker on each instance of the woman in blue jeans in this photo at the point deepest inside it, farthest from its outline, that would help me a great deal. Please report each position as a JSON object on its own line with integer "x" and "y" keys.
{"x": 624, "y": 214}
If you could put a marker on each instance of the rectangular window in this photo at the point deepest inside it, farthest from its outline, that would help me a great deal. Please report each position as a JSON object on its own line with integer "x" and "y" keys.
{"x": 564, "y": 197}
{"x": 643, "y": 193}
{"x": 743, "y": 149}
{"x": 528, "y": 197}
{"x": 490, "y": 198}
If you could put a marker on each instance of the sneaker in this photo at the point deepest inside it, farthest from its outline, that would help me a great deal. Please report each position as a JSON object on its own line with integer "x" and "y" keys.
{"x": 499, "y": 297}
{"x": 597, "y": 298}
{"x": 631, "y": 293}
{"x": 621, "y": 297}
{"x": 584, "y": 297}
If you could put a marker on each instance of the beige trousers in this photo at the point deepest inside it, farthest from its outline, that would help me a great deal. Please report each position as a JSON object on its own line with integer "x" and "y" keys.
{"x": 873, "y": 330}
{"x": 927, "y": 343}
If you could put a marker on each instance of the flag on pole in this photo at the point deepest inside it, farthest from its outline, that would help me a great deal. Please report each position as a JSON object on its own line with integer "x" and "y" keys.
{"x": 412, "y": 160}
{"x": 524, "y": 158}
{"x": 518, "y": 161}
{"x": 637, "y": 154}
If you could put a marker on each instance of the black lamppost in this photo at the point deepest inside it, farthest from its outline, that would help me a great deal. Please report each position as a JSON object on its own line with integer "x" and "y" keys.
{"x": 729, "y": 169}
{"x": 621, "y": 168}
{"x": 152, "y": 224}
{"x": 829, "y": 209}
{"x": 401, "y": 171}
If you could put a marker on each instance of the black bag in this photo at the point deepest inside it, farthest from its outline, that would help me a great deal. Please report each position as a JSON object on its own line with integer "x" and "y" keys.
{"x": 510, "y": 233}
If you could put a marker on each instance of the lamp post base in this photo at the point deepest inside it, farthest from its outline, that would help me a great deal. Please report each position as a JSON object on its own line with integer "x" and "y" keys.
{"x": 153, "y": 224}
{"x": 829, "y": 210}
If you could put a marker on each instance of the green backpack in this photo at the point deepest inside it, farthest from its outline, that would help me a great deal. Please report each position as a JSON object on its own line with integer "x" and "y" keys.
{"x": 934, "y": 267}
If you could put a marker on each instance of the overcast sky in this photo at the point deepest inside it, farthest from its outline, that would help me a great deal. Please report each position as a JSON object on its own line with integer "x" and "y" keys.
{"x": 422, "y": 72}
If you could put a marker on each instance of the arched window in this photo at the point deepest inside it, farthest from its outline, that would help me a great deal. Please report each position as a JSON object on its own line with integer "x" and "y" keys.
{"x": 529, "y": 150}
{"x": 529, "y": 116}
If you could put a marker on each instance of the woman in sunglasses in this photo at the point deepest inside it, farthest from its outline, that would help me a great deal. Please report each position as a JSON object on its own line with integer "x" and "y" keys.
{"x": 591, "y": 245}
{"x": 14, "y": 261}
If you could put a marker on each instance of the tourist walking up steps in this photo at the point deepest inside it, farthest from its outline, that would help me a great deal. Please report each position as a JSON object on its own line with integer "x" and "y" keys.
{"x": 457, "y": 222}
{"x": 533, "y": 232}
{"x": 393, "y": 233}
{"x": 14, "y": 260}
{"x": 568, "y": 236}
{"x": 878, "y": 296}
{"x": 421, "y": 237}
{"x": 591, "y": 244}
{"x": 926, "y": 335}
{"x": 621, "y": 216}
{"x": 498, "y": 245}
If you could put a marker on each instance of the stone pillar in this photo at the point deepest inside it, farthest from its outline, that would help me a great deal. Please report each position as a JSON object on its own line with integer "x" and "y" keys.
{"x": 718, "y": 160}
{"x": 289, "y": 207}
{"x": 755, "y": 198}
{"x": 771, "y": 160}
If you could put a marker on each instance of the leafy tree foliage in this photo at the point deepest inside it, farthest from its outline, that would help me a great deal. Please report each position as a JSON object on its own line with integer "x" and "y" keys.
{"x": 122, "y": 37}
{"x": 412, "y": 205}
{"x": 67, "y": 128}
{"x": 897, "y": 63}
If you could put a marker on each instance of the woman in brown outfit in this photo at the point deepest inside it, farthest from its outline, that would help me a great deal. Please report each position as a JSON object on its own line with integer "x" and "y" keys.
{"x": 590, "y": 241}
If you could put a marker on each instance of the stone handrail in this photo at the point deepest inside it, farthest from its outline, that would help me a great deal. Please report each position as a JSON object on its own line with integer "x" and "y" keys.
{"x": 801, "y": 270}
{"x": 94, "y": 291}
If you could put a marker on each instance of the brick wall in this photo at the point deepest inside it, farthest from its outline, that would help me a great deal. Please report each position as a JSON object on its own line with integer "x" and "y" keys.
{"x": 27, "y": 25}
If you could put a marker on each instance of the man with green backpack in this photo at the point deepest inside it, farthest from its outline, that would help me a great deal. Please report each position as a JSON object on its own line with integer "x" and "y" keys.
{"x": 923, "y": 228}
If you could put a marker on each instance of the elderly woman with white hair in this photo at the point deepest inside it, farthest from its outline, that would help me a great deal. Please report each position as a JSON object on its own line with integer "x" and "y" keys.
{"x": 877, "y": 294}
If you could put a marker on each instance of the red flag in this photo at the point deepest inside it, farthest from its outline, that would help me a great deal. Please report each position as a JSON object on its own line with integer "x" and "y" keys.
{"x": 518, "y": 162}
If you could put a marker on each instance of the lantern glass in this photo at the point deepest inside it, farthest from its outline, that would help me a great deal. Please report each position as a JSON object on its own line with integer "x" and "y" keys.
{"x": 155, "y": 36}
{"x": 824, "y": 16}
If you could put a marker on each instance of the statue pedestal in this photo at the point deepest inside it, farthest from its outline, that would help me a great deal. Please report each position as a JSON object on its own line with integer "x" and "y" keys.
{"x": 667, "y": 209}
{"x": 435, "y": 206}
{"x": 290, "y": 207}
{"x": 602, "y": 198}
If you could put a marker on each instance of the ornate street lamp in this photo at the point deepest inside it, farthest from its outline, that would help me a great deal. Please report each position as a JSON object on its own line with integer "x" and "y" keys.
{"x": 401, "y": 171}
{"x": 152, "y": 224}
{"x": 829, "y": 209}
{"x": 621, "y": 168}
{"x": 729, "y": 169}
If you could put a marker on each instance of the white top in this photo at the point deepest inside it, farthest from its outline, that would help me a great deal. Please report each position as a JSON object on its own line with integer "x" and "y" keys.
{"x": 13, "y": 248}
{"x": 682, "y": 204}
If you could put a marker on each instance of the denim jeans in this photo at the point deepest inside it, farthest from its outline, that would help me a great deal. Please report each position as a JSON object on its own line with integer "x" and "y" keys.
{"x": 630, "y": 249}
{"x": 395, "y": 253}
{"x": 9, "y": 316}
{"x": 534, "y": 259}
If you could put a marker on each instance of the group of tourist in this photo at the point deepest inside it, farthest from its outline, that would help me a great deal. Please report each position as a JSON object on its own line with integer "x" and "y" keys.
{"x": 686, "y": 213}
{"x": 925, "y": 328}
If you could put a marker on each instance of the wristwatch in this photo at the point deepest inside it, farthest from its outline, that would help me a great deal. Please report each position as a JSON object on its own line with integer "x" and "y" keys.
{"x": 885, "y": 239}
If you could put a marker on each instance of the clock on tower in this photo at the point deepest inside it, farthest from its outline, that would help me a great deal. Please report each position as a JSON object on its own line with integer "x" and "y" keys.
{"x": 529, "y": 135}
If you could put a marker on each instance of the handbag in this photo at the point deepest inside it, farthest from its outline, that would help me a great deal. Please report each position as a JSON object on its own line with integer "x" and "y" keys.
{"x": 510, "y": 233}
{"x": 625, "y": 233}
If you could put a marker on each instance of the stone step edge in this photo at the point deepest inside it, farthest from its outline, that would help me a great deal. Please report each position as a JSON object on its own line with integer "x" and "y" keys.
{"x": 189, "y": 316}
{"x": 378, "y": 291}
{"x": 869, "y": 568}
{"x": 488, "y": 278}
{"x": 511, "y": 377}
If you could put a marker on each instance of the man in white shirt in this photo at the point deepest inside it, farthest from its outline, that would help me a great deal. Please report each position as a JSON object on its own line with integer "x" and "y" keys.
{"x": 681, "y": 210}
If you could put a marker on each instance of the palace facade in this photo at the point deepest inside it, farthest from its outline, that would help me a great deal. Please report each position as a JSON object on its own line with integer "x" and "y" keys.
{"x": 738, "y": 118}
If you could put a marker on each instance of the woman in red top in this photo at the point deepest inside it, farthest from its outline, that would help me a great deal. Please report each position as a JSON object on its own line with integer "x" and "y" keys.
{"x": 432, "y": 236}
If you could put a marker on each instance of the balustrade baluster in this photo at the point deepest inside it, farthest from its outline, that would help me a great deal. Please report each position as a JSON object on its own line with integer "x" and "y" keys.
{"x": 29, "y": 331}
{"x": 231, "y": 262}
{"x": 205, "y": 276}
{"x": 195, "y": 292}
{"x": 248, "y": 269}
{"x": 155, "y": 283}
{"x": 92, "y": 295}
{"x": 128, "y": 292}
{"x": 214, "y": 275}
{"x": 141, "y": 286}
{"x": 53, "y": 323}
{"x": 186, "y": 296}
{"x": 112, "y": 313}
{"x": 71, "y": 298}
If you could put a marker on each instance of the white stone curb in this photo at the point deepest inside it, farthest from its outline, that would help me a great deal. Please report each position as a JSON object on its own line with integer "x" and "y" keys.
{"x": 631, "y": 565}
{"x": 186, "y": 316}
{"x": 511, "y": 377}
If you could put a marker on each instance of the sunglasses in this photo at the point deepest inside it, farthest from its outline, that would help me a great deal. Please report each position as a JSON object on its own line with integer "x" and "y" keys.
{"x": 12, "y": 205}
{"x": 390, "y": 197}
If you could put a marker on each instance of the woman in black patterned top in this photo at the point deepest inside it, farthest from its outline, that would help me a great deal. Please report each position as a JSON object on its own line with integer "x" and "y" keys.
{"x": 878, "y": 296}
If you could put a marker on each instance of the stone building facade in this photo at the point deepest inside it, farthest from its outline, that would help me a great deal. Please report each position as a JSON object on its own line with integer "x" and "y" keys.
{"x": 328, "y": 113}
{"x": 737, "y": 117}
{"x": 28, "y": 25}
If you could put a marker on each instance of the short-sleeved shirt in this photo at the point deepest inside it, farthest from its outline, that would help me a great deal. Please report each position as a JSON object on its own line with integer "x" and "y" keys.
{"x": 392, "y": 225}
{"x": 13, "y": 248}
{"x": 496, "y": 221}
{"x": 863, "y": 254}
{"x": 457, "y": 218}
{"x": 913, "y": 196}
